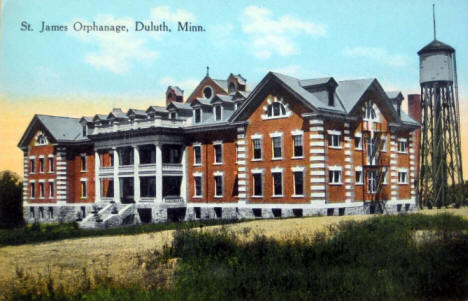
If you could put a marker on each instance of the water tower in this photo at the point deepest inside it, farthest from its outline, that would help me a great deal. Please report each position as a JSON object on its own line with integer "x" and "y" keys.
{"x": 440, "y": 173}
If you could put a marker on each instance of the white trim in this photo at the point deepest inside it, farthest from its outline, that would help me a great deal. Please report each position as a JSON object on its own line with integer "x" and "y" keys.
{"x": 316, "y": 136}
{"x": 197, "y": 174}
{"x": 276, "y": 134}
{"x": 334, "y": 132}
{"x": 297, "y": 132}
{"x": 256, "y": 136}
{"x": 218, "y": 173}
{"x": 317, "y": 143}
{"x": 298, "y": 168}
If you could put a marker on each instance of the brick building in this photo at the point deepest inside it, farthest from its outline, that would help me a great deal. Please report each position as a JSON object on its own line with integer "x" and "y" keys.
{"x": 287, "y": 147}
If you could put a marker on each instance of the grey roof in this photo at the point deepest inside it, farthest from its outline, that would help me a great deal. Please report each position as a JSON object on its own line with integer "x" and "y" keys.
{"x": 350, "y": 91}
{"x": 181, "y": 105}
{"x": 240, "y": 78}
{"x": 158, "y": 109}
{"x": 137, "y": 112}
{"x": 315, "y": 81}
{"x": 117, "y": 113}
{"x": 223, "y": 98}
{"x": 100, "y": 117}
{"x": 62, "y": 128}
{"x": 295, "y": 85}
{"x": 393, "y": 94}
{"x": 222, "y": 83}
{"x": 245, "y": 94}
{"x": 202, "y": 101}
{"x": 87, "y": 119}
{"x": 436, "y": 46}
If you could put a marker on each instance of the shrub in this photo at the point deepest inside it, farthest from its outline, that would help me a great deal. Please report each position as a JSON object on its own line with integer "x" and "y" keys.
{"x": 11, "y": 206}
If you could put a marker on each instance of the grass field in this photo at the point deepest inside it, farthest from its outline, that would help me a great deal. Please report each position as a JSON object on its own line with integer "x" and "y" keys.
{"x": 123, "y": 258}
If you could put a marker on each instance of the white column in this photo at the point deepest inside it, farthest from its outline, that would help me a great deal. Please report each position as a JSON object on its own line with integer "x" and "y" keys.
{"x": 136, "y": 176}
{"x": 97, "y": 180}
{"x": 183, "y": 185}
{"x": 159, "y": 181}
{"x": 116, "y": 175}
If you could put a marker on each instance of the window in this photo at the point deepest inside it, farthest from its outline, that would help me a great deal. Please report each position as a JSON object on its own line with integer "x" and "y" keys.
{"x": 358, "y": 142}
{"x": 402, "y": 146}
{"x": 32, "y": 187}
{"x": 50, "y": 212}
{"x": 218, "y": 186}
{"x": 83, "y": 163}
{"x": 383, "y": 144}
{"x": 218, "y": 112}
{"x": 402, "y": 177}
{"x": 31, "y": 213}
{"x": 334, "y": 176}
{"x": 51, "y": 190}
{"x": 384, "y": 175}
{"x": 208, "y": 92}
{"x": 84, "y": 131}
{"x": 277, "y": 183}
{"x": 232, "y": 87}
{"x": 41, "y": 190}
{"x": 370, "y": 111}
{"x": 218, "y": 153}
{"x": 148, "y": 187}
{"x": 41, "y": 212}
{"x": 276, "y": 109}
{"x": 359, "y": 177}
{"x": 197, "y": 155}
{"x": 32, "y": 165}
{"x": 41, "y": 139}
{"x": 51, "y": 165}
{"x": 371, "y": 148}
{"x": 198, "y": 186}
{"x": 277, "y": 148}
{"x": 298, "y": 183}
{"x": 41, "y": 165}
{"x": 84, "y": 189}
{"x": 298, "y": 147}
{"x": 173, "y": 115}
{"x": 257, "y": 148}
{"x": 257, "y": 184}
{"x": 372, "y": 181}
{"x": 197, "y": 113}
{"x": 334, "y": 140}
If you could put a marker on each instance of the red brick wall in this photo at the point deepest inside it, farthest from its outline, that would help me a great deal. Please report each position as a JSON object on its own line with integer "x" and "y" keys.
{"x": 45, "y": 151}
{"x": 229, "y": 166}
{"x": 285, "y": 125}
{"x": 75, "y": 174}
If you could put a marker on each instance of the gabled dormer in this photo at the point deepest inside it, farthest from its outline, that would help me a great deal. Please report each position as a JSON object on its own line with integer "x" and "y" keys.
{"x": 86, "y": 124}
{"x": 177, "y": 110}
{"x": 236, "y": 83}
{"x": 323, "y": 88}
{"x": 159, "y": 111}
{"x": 396, "y": 97}
{"x": 133, "y": 114}
{"x": 202, "y": 110}
{"x": 117, "y": 115}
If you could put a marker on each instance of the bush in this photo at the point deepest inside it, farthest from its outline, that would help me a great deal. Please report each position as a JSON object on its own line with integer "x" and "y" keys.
{"x": 11, "y": 205}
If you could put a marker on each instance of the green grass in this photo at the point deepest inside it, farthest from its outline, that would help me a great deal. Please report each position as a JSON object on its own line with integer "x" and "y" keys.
{"x": 414, "y": 257}
{"x": 37, "y": 233}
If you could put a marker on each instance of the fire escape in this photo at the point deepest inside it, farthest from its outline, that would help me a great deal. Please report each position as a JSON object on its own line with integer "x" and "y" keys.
{"x": 375, "y": 165}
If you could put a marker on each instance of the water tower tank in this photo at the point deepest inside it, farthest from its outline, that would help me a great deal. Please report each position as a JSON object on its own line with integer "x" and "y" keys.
{"x": 436, "y": 62}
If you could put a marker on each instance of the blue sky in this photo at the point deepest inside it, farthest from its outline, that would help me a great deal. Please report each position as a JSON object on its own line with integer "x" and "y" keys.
{"x": 341, "y": 38}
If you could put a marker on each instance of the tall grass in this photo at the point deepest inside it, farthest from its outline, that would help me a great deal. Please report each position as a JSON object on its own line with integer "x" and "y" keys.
{"x": 36, "y": 233}
{"x": 412, "y": 257}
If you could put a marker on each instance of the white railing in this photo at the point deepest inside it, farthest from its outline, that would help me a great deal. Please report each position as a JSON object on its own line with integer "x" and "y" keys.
{"x": 172, "y": 167}
{"x": 138, "y": 124}
{"x": 173, "y": 199}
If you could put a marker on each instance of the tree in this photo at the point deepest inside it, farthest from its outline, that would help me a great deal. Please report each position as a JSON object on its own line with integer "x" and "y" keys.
{"x": 11, "y": 205}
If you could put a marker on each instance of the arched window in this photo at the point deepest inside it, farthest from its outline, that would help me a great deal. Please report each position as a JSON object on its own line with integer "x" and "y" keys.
{"x": 41, "y": 139}
{"x": 232, "y": 87}
{"x": 276, "y": 109}
{"x": 208, "y": 92}
{"x": 370, "y": 113}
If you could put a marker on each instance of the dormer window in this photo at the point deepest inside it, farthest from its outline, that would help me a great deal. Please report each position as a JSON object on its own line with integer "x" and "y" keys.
{"x": 197, "y": 115}
{"x": 370, "y": 113}
{"x": 41, "y": 139}
{"x": 208, "y": 92}
{"x": 232, "y": 88}
{"x": 173, "y": 115}
{"x": 218, "y": 109}
{"x": 276, "y": 109}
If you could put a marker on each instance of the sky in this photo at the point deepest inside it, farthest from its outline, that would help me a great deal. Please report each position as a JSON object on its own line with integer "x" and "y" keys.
{"x": 74, "y": 73}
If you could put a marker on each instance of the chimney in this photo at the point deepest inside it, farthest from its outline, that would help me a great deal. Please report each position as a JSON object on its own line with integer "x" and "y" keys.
{"x": 415, "y": 112}
{"x": 174, "y": 93}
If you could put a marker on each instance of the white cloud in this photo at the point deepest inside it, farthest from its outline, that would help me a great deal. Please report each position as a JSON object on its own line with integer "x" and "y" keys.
{"x": 187, "y": 84}
{"x": 163, "y": 13}
{"x": 268, "y": 35}
{"x": 377, "y": 54}
{"x": 116, "y": 51}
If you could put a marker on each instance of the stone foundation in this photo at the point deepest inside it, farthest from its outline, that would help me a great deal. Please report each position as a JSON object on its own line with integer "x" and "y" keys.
{"x": 157, "y": 213}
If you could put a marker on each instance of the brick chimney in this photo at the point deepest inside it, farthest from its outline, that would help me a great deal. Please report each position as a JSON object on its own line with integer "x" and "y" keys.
{"x": 415, "y": 112}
